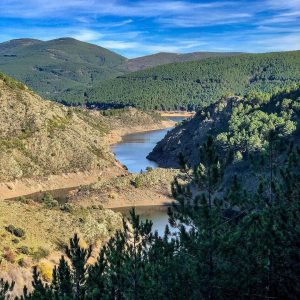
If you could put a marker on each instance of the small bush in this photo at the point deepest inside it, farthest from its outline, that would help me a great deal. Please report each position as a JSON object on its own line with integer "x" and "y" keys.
{"x": 22, "y": 263}
{"x": 49, "y": 201}
{"x": 136, "y": 182}
{"x": 18, "y": 232}
{"x": 46, "y": 270}
{"x": 15, "y": 241}
{"x": 24, "y": 250}
{"x": 149, "y": 169}
{"x": 68, "y": 207}
{"x": 23, "y": 200}
{"x": 40, "y": 253}
{"x": 9, "y": 255}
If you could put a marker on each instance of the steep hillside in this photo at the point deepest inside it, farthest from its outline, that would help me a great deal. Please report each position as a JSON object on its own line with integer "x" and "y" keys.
{"x": 58, "y": 69}
{"x": 39, "y": 137}
{"x": 197, "y": 84}
{"x": 162, "y": 58}
{"x": 240, "y": 127}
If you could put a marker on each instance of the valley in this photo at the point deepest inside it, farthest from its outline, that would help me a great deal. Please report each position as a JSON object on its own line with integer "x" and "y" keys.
{"x": 214, "y": 137}
{"x": 29, "y": 183}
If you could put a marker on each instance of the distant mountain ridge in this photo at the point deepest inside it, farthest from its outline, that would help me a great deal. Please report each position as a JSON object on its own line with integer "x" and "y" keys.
{"x": 59, "y": 69}
{"x": 162, "y": 58}
{"x": 63, "y": 69}
{"x": 194, "y": 84}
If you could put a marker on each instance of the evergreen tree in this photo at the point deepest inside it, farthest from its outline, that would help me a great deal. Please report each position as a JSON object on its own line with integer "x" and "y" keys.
{"x": 5, "y": 288}
{"x": 62, "y": 282}
{"x": 196, "y": 214}
{"x": 78, "y": 257}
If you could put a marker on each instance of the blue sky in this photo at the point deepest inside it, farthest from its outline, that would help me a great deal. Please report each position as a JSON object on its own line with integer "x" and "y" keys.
{"x": 135, "y": 28}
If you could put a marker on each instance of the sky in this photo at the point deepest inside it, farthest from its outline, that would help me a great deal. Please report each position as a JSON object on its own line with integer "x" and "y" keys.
{"x": 142, "y": 27}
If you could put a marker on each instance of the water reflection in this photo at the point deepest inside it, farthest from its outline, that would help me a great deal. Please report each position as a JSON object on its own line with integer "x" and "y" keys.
{"x": 134, "y": 148}
{"x": 157, "y": 214}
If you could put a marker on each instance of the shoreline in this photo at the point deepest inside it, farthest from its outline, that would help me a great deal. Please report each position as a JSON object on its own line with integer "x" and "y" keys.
{"x": 116, "y": 135}
{"x": 71, "y": 181}
{"x": 177, "y": 113}
{"x": 68, "y": 181}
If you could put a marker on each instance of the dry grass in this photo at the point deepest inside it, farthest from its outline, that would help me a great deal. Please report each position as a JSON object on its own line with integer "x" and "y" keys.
{"x": 46, "y": 230}
{"x": 153, "y": 189}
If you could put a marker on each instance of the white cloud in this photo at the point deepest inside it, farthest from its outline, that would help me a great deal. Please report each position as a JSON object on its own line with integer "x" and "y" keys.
{"x": 117, "y": 45}
{"x": 85, "y": 35}
{"x": 145, "y": 26}
{"x": 280, "y": 43}
{"x": 205, "y": 20}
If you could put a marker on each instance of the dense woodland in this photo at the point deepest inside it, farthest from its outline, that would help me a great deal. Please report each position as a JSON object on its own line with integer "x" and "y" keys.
{"x": 59, "y": 69}
{"x": 240, "y": 126}
{"x": 63, "y": 69}
{"x": 192, "y": 85}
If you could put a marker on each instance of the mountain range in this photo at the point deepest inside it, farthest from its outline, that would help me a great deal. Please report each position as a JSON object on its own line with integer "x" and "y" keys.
{"x": 195, "y": 84}
{"x": 63, "y": 69}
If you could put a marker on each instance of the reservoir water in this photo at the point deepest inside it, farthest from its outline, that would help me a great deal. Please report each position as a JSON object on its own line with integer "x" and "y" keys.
{"x": 157, "y": 214}
{"x": 134, "y": 148}
{"x": 132, "y": 152}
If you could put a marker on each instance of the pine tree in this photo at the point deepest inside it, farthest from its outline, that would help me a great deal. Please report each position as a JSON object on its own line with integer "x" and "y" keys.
{"x": 62, "y": 282}
{"x": 125, "y": 255}
{"x": 196, "y": 213}
{"x": 78, "y": 257}
{"x": 5, "y": 288}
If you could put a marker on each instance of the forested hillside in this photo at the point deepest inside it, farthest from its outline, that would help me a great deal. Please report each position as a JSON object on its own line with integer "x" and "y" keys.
{"x": 242, "y": 244}
{"x": 162, "y": 58}
{"x": 241, "y": 127}
{"x": 58, "y": 69}
{"x": 190, "y": 85}
{"x": 63, "y": 69}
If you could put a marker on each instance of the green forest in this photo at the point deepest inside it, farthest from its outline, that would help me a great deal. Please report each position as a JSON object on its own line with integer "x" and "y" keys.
{"x": 193, "y": 85}
{"x": 59, "y": 69}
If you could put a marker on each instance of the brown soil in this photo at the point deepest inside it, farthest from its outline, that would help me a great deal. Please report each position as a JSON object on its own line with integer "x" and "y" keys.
{"x": 154, "y": 189}
{"x": 22, "y": 187}
{"x": 177, "y": 113}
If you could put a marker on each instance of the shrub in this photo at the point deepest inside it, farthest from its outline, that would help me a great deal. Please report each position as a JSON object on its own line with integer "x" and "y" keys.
{"x": 15, "y": 241}
{"x": 24, "y": 250}
{"x": 68, "y": 207}
{"x": 49, "y": 201}
{"x": 40, "y": 253}
{"x": 9, "y": 255}
{"x": 23, "y": 199}
{"x": 22, "y": 263}
{"x": 238, "y": 156}
{"x": 46, "y": 270}
{"x": 136, "y": 182}
{"x": 19, "y": 232}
